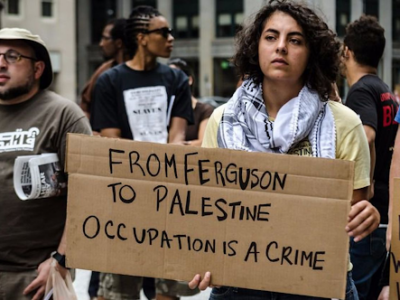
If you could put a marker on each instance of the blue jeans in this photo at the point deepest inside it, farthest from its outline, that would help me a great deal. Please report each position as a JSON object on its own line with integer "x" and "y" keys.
{"x": 368, "y": 257}
{"x": 230, "y": 293}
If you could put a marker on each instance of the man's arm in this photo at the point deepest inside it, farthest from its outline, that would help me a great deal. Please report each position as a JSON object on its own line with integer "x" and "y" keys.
{"x": 177, "y": 130}
{"x": 39, "y": 284}
{"x": 363, "y": 217}
{"x": 74, "y": 122}
{"x": 371, "y": 135}
{"x": 182, "y": 110}
{"x": 111, "y": 132}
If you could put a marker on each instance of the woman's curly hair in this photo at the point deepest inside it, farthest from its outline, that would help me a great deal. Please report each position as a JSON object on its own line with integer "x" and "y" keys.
{"x": 323, "y": 63}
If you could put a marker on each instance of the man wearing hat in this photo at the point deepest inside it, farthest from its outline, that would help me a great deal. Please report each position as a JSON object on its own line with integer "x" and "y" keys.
{"x": 33, "y": 121}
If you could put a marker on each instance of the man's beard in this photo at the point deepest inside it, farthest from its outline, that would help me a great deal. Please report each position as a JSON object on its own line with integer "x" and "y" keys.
{"x": 15, "y": 92}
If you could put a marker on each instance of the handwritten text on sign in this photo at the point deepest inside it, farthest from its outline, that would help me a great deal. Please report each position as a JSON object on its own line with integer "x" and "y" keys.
{"x": 395, "y": 244}
{"x": 261, "y": 221}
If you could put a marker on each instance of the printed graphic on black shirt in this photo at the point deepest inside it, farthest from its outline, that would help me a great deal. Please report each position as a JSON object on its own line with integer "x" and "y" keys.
{"x": 147, "y": 113}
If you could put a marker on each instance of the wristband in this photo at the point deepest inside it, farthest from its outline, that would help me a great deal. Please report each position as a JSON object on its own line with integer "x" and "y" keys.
{"x": 60, "y": 258}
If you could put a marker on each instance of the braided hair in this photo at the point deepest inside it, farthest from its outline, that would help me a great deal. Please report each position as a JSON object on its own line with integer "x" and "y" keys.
{"x": 138, "y": 21}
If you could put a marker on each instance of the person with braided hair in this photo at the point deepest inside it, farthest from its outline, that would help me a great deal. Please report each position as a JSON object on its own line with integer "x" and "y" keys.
{"x": 143, "y": 100}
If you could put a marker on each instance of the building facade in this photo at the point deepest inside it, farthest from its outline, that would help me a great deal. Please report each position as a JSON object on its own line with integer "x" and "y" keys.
{"x": 203, "y": 29}
{"x": 54, "y": 21}
{"x": 204, "y": 33}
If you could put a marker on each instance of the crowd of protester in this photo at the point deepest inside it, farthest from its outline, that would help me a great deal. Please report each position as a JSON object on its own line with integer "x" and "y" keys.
{"x": 288, "y": 61}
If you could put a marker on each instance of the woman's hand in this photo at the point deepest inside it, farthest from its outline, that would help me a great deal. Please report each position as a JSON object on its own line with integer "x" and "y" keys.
{"x": 363, "y": 219}
{"x": 202, "y": 284}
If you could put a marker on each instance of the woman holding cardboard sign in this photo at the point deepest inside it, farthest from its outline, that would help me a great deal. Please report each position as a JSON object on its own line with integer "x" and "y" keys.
{"x": 288, "y": 58}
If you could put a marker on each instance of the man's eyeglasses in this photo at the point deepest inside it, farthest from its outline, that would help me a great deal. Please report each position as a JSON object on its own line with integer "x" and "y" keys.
{"x": 164, "y": 31}
{"x": 12, "y": 56}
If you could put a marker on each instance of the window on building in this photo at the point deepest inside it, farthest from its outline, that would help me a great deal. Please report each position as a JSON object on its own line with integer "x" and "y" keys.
{"x": 225, "y": 77}
{"x": 371, "y": 7}
{"x": 102, "y": 12}
{"x": 47, "y": 8}
{"x": 343, "y": 11}
{"x": 13, "y": 7}
{"x": 186, "y": 18}
{"x": 152, "y": 3}
{"x": 396, "y": 20}
{"x": 229, "y": 17}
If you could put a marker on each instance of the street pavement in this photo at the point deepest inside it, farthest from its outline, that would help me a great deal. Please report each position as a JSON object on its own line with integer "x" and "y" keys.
{"x": 81, "y": 284}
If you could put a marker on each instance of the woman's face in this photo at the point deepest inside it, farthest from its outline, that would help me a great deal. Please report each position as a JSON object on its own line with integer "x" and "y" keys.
{"x": 157, "y": 42}
{"x": 282, "y": 49}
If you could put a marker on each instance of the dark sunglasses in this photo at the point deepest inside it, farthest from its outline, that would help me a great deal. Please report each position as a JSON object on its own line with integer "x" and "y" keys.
{"x": 164, "y": 31}
{"x": 12, "y": 56}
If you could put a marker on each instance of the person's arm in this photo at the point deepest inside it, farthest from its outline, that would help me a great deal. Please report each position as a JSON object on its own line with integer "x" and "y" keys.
{"x": 177, "y": 130}
{"x": 384, "y": 295}
{"x": 363, "y": 104}
{"x": 202, "y": 129}
{"x": 39, "y": 283}
{"x": 85, "y": 100}
{"x": 182, "y": 111}
{"x": 363, "y": 217}
{"x": 385, "y": 277}
{"x": 111, "y": 132}
{"x": 371, "y": 135}
{"x": 75, "y": 122}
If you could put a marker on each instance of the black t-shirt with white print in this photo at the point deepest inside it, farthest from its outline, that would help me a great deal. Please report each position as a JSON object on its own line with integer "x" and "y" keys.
{"x": 372, "y": 100}
{"x": 141, "y": 103}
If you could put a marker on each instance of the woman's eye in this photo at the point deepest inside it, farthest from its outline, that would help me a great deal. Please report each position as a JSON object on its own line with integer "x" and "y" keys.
{"x": 270, "y": 38}
{"x": 295, "y": 41}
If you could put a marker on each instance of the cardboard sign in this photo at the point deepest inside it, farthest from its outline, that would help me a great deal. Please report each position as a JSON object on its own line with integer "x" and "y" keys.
{"x": 255, "y": 220}
{"x": 395, "y": 243}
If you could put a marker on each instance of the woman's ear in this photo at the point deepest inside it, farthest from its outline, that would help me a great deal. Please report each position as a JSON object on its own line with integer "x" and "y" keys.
{"x": 141, "y": 39}
{"x": 345, "y": 52}
{"x": 191, "y": 80}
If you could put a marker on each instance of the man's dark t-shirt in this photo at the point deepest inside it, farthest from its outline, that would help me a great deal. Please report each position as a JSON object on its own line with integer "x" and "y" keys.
{"x": 372, "y": 100}
{"x": 141, "y": 103}
{"x": 31, "y": 230}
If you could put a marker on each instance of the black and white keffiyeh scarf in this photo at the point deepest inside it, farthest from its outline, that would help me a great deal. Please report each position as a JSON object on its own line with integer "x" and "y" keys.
{"x": 245, "y": 124}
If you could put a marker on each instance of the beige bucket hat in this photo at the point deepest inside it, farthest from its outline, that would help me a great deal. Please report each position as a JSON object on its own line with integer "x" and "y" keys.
{"x": 39, "y": 47}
